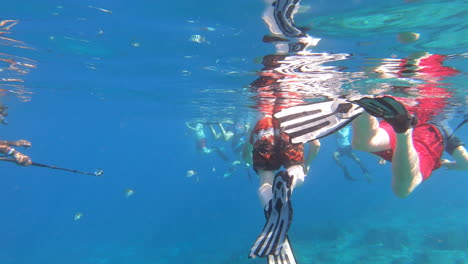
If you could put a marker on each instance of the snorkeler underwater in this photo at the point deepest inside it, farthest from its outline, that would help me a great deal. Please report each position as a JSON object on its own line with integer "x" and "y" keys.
{"x": 274, "y": 131}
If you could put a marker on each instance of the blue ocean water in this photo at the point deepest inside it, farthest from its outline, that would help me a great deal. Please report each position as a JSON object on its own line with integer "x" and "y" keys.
{"x": 111, "y": 85}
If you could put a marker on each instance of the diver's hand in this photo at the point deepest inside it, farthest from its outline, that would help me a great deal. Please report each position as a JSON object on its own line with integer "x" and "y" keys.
{"x": 22, "y": 159}
{"x": 297, "y": 174}
{"x": 23, "y": 143}
{"x": 448, "y": 164}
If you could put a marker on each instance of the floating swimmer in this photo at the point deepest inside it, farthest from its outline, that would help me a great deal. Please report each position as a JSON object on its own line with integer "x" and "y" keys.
{"x": 129, "y": 192}
{"x": 190, "y": 173}
{"x": 78, "y": 216}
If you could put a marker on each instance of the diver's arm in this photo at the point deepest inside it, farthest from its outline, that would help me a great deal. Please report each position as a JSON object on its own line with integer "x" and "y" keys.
{"x": 20, "y": 158}
{"x": 7, "y": 143}
{"x": 6, "y": 149}
{"x": 189, "y": 126}
{"x": 17, "y": 143}
{"x": 460, "y": 155}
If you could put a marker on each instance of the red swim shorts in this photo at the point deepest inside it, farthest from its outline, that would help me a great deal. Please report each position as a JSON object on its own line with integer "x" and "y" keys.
{"x": 428, "y": 142}
{"x": 271, "y": 148}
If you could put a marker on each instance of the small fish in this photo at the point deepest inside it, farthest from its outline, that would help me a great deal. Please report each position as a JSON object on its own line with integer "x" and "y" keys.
{"x": 210, "y": 68}
{"x": 232, "y": 72}
{"x": 208, "y": 29}
{"x": 129, "y": 192}
{"x": 101, "y": 9}
{"x": 186, "y": 73}
{"x": 190, "y": 173}
{"x": 78, "y": 216}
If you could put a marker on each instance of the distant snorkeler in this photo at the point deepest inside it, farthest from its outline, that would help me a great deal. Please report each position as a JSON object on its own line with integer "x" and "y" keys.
{"x": 242, "y": 150}
{"x": 199, "y": 133}
{"x": 240, "y": 137}
{"x": 344, "y": 148}
{"x": 200, "y": 136}
{"x": 225, "y": 135}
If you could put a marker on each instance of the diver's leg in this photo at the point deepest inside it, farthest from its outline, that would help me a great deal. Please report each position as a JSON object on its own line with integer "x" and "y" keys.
{"x": 297, "y": 173}
{"x": 213, "y": 131}
{"x": 264, "y": 158}
{"x": 266, "y": 181}
{"x": 368, "y": 136}
{"x": 336, "y": 158}
{"x": 314, "y": 147}
{"x": 406, "y": 175}
{"x": 292, "y": 158}
{"x": 227, "y": 135}
{"x": 356, "y": 159}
